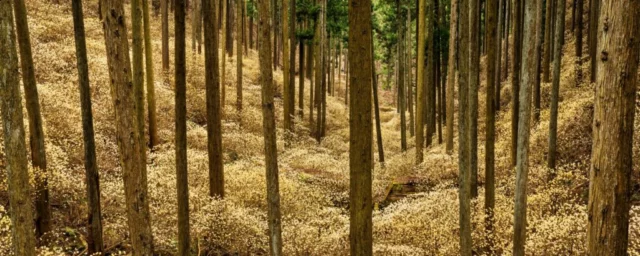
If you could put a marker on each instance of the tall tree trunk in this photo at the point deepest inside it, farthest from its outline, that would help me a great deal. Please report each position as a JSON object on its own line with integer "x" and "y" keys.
{"x": 181, "y": 130}
{"x": 555, "y": 88}
{"x": 452, "y": 70}
{"x": 292, "y": 60}
{"x": 614, "y": 112}
{"x": 579, "y": 28}
{"x": 301, "y": 78}
{"x": 151, "y": 98}
{"x": 409, "y": 74}
{"x": 499, "y": 40}
{"x": 165, "y": 35}
{"x": 464, "y": 176}
{"x": 15, "y": 149}
{"x": 548, "y": 36}
{"x": 376, "y": 105}
{"x": 594, "y": 15}
{"x": 128, "y": 134}
{"x": 429, "y": 75}
{"x": 36, "y": 133}
{"x": 223, "y": 69}
{"x": 361, "y": 132}
{"x": 229, "y": 27}
{"x": 493, "y": 42}
{"x": 474, "y": 86}
{"x": 269, "y": 129}
{"x": 212, "y": 85}
{"x": 94, "y": 220}
{"x": 538, "y": 55}
{"x": 401, "y": 78}
{"x": 318, "y": 72}
{"x": 528, "y": 69}
{"x": 286, "y": 61}
{"x": 239, "y": 55}
{"x": 515, "y": 80}
{"x": 420, "y": 88}
{"x": 325, "y": 53}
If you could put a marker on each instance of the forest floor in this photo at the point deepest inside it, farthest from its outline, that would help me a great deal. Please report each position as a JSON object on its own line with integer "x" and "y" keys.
{"x": 314, "y": 178}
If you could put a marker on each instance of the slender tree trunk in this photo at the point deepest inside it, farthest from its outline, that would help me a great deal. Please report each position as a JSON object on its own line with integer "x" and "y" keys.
{"x": 529, "y": 60}
{"x": 128, "y": 134}
{"x": 181, "y": 130}
{"x": 614, "y": 112}
{"x": 325, "y": 53}
{"x": 548, "y": 36}
{"x": 36, "y": 133}
{"x": 515, "y": 80}
{"x": 239, "y": 55}
{"x": 555, "y": 88}
{"x": 573, "y": 16}
{"x": 453, "y": 65}
{"x": 292, "y": 60}
{"x": 409, "y": 74}
{"x": 493, "y": 42}
{"x": 214, "y": 126}
{"x": 151, "y": 98}
{"x": 286, "y": 96}
{"x": 422, "y": 26}
{"x": 165, "y": 35}
{"x": 579, "y": 28}
{"x": 376, "y": 106}
{"x": 464, "y": 177}
{"x": 507, "y": 27}
{"x": 401, "y": 78}
{"x": 538, "y": 67}
{"x": 269, "y": 128}
{"x": 15, "y": 149}
{"x": 223, "y": 69}
{"x": 429, "y": 75}
{"x": 94, "y": 220}
{"x": 361, "y": 132}
{"x": 318, "y": 90}
{"x": 594, "y": 15}
{"x": 229, "y": 27}
{"x": 301, "y": 78}
{"x": 474, "y": 86}
{"x": 498, "y": 68}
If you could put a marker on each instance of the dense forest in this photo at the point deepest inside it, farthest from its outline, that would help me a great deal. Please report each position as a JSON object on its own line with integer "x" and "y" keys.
{"x": 319, "y": 127}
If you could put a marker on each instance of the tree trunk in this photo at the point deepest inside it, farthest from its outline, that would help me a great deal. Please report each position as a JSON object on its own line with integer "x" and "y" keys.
{"x": 128, "y": 134}
{"x": 223, "y": 69}
{"x": 451, "y": 69}
{"x": 548, "y": 36}
{"x": 36, "y": 133}
{"x": 292, "y": 60}
{"x": 151, "y": 98}
{"x": 579, "y": 27}
{"x": 493, "y": 70}
{"x": 474, "y": 86}
{"x": 229, "y": 27}
{"x": 181, "y": 130}
{"x": 301, "y": 78}
{"x": 429, "y": 75}
{"x": 239, "y": 55}
{"x": 409, "y": 74}
{"x": 214, "y": 126}
{"x": 165, "y": 35}
{"x": 376, "y": 105}
{"x": 528, "y": 72}
{"x": 555, "y": 88}
{"x": 538, "y": 67}
{"x": 464, "y": 176}
{"x": 318, "y": 71}
{"x": 15, "y": 150}
{"x": 614, "y": 111}
{"x": 94, "y": 224}
{"x": 286, "y": 61}
{"x": 361, "y": 132}
{"x": 515, "y": 80}
{"x": 401, "y": 78}
{"x": 269, "y": 129}
{"x": 594, "y": 15}
{"x": 422, "y": 9}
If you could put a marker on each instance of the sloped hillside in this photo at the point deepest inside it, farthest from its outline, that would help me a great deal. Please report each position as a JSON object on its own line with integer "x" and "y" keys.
{"x": 422, "y": 218}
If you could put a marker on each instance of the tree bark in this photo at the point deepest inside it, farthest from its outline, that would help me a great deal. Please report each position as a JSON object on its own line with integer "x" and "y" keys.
{"x": 151, "y": 98}
{"x": 548, "y": 36}
{"x": 515, "y": 80}
{"x": 36, "y": 133}
{"x": 579, "y": 27}
{"x": 214, "y": 126}
{"x": 614, "y": 111}
{"x": 474, "y": 86}
{"x": 361, "y": 132}
{"x": 594, "y": 15}
{"x": 464, "y": 177}
{"x": 493, "y": 70}
{"x": 165, "y": 35}
{"x": 292, "y": 60}
{"x": 22, "y": 235}
{"x": 422, "y": 8}
{"x": 301, "y": 78}
{"x": 429, "y": 75}
{"x": 555, "y": 88}
{"x": 127, "y": 133}
{"x": 239, "y": 55}
{"x": 401, "y": 77}
{"x": 95, "y": 243}
{"x": 269, "y": 129}
{"x": 538, "y": 67}
{"x": 452, "y": 70}
{"x": 286, "y": 61}
{"x": 409, "y": 72}
{"x": 223, "y": 69}
{"x": 528, "y": 72}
